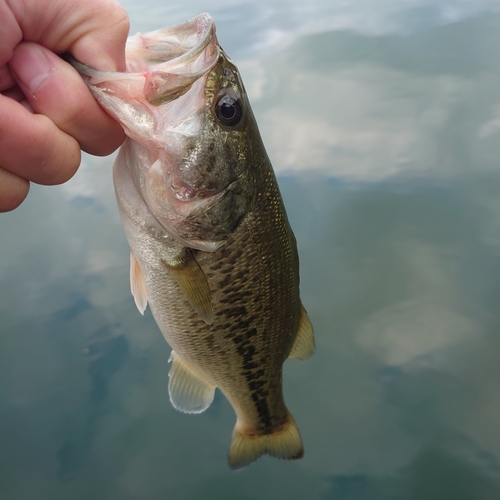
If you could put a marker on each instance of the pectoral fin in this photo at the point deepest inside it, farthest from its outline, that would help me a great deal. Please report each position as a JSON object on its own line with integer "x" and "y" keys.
{"x": 303, "y": 347}
{"x": 188, "y": 391}
{"x": 190, "y": 277}
{"x": 137, "y": 284}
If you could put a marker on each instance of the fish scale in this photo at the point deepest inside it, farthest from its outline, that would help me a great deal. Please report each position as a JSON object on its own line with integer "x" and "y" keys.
{"x": 212, "y": 251}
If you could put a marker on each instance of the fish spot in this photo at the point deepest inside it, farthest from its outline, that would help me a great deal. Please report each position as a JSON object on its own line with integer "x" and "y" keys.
{"x": 242, "y": 336}
{"x": 236, "y": 312}
{"x": 210, "y": 164}
{"x": 253, "y": 375}
{"x": 210, "y": 341}
{"x": 263, "y": 411}
{"x": 242, "y": 325}
{"x": 217, "y": 265}
{"x": 255, "y": 384}
{"x": 225, "y": 281}
{"x": 246, "y": 351}
{"x": 235, "y": 297}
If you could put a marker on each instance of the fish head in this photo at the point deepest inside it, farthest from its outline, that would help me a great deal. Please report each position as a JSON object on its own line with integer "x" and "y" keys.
{"x": 183, "y": 104}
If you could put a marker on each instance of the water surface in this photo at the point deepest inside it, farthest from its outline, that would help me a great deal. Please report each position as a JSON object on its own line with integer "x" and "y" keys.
{"x": 383, "y": 124}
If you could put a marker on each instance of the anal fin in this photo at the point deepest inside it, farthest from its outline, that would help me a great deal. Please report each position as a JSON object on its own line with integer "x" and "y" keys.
{"x": 304, "y": 345}
{"x": 188, "y": 391}
{"x": 137, "y": 284}
{"x": 190, "y": 277}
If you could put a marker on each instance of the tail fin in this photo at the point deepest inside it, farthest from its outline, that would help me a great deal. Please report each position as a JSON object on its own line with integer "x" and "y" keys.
{"x": 245, "y": 447}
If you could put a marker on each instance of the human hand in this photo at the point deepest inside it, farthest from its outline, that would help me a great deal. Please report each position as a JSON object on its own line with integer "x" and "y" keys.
{"x": 47, "y": 113}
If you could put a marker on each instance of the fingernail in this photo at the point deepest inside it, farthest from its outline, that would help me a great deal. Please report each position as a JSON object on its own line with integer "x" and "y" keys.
{"x": 31, "y": 67}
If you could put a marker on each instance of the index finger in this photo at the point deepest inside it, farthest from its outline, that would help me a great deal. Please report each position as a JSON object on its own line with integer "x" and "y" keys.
{"x": 94, "y": 31}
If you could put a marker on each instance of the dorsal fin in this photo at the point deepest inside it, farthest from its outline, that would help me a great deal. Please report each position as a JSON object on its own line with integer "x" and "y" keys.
{"x": 304, "y": 345}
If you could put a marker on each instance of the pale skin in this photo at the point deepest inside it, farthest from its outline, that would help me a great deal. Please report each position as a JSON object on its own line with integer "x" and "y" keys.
{"x": 47, "y": 113}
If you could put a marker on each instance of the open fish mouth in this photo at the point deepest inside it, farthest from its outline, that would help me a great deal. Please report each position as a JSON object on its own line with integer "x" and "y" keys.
{"x": 161, "y": 65}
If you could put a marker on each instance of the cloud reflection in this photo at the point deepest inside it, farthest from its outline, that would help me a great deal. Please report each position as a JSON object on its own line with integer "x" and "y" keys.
{"x": 364, "y": 108}
{"x": 252, "y": 26}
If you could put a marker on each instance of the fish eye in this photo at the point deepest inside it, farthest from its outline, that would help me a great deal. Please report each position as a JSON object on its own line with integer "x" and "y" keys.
{"x": 228, "y": 110}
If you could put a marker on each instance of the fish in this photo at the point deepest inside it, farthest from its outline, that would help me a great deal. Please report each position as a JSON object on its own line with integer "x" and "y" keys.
{"x": 212, "y": 250}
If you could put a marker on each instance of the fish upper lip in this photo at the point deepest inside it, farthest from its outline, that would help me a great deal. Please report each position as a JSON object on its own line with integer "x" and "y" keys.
{"x": 205, "y": 29}
{"x": 151, "y": 73}
{"x": 169, "y": 78}
{"x": 180, "y": 35}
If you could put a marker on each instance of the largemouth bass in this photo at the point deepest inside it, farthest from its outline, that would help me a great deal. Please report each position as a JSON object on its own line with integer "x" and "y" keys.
{"x": 212, "y": 251}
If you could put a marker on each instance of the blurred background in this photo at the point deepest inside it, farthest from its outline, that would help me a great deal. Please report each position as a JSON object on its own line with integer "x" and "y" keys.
{"x": 382, "y": 120}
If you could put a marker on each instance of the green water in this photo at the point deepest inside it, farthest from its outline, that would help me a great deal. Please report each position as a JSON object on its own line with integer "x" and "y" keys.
{"x": 383, "y": 123}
